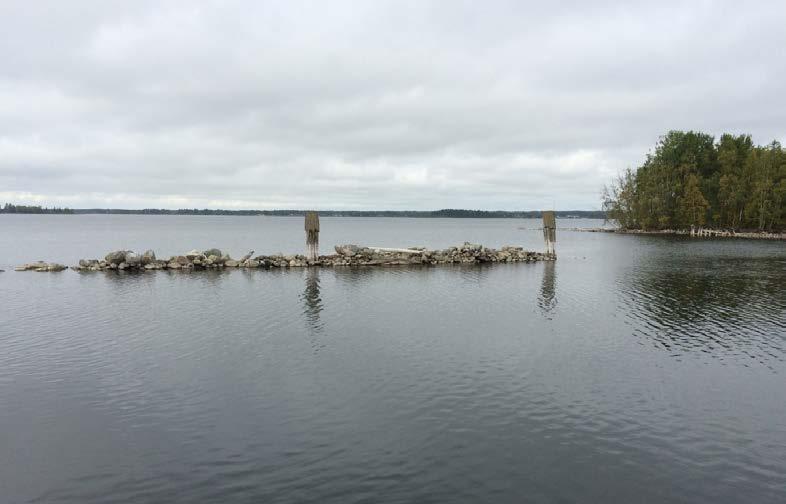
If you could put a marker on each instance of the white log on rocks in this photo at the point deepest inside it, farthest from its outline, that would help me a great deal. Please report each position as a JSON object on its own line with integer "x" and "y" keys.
{"x": 399, "y": 250}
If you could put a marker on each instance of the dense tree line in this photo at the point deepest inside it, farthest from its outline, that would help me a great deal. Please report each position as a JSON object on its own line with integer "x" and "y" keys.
{"x": 692, "y": 180}
{"x": 27, "y": 209}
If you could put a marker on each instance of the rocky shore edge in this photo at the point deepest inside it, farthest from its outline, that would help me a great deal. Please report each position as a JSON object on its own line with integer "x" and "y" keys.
{"x": 346, "y": 255}
{"x": 695, "y": 233}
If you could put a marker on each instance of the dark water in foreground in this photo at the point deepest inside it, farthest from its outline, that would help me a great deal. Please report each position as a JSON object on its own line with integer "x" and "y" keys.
{"x": 634, "y": 369}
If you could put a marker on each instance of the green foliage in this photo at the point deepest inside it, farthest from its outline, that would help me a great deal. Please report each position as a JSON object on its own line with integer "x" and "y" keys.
{"x": 619, "y": 200}
{"x": 692, "y": 206}
{"x": 691, "y": 180}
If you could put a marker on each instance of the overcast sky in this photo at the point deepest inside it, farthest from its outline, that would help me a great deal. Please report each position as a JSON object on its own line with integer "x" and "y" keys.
{"x": 369, "y": 105}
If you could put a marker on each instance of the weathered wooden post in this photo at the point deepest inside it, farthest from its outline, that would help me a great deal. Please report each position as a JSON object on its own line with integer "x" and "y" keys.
{"x": 550, "y": 232}
{"x": 312, "y": 236}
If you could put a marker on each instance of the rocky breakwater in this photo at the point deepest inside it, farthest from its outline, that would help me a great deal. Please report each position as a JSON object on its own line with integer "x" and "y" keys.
{"x": 468, "y": 253}
{"x": 122, "y": 260}
{"x": 346, "y": 255}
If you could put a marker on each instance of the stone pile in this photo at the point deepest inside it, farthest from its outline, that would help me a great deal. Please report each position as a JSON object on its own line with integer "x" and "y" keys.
{"x": 122, "y": 260}
{"x": 468, "y": 253}
{"x": 346, "y": 255}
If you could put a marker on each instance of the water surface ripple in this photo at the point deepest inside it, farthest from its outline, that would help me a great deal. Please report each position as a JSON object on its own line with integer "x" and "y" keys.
{"x": 639, "y": 369}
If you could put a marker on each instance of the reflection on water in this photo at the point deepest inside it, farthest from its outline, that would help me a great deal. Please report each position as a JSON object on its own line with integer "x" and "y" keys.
{"x": 354, "y": 277}
{"x": 547, "y": 300}
{"x": 721, "y": 306}
{"x": 312, "y": 303}
{"x": 652, "y": 373}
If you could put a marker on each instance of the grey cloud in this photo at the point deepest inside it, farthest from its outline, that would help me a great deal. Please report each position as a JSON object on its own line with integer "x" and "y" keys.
{"x": 418, "y": 105}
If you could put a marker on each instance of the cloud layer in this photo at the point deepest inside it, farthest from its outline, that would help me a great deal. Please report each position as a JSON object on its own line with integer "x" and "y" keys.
{"x": 368, "y": 105}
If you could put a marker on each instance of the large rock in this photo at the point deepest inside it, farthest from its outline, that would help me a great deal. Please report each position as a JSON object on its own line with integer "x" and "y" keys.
{"x": 116, "y": 257}
{"x": 132, "y": 260}
{"x": 215, "y": 259}
{"x": 230, "y": 263}
{"x": 194, "y": 254}
{"x": 148, "y": 257}
{"x": 214, "y": 251}
{"x": 181, "y": 260}
{"x": 348, "y": 250}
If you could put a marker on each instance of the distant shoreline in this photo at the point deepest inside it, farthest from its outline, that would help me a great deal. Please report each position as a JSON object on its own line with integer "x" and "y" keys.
{"x": 447, "y": 213}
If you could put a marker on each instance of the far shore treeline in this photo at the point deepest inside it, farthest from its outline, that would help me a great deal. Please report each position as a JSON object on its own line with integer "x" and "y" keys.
{"x": 27, "y": 209}
{"x": 692, "y": 180}
{"x": 447, "y": 213}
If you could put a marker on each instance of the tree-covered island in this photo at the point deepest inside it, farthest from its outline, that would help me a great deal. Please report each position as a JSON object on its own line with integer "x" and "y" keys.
{"x": 693, "y": 181}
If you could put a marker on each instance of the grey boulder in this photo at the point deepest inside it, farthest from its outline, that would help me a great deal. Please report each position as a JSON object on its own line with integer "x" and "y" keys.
{"x": 348, "y": 250}
{"x": 132, "y": 260}
{"x": 116, "y": 257}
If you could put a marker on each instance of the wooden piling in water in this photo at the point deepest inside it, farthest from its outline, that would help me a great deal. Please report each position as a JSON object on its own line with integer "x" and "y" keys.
{"x": 312, "y": 236}
{"x": 550, "y": 231}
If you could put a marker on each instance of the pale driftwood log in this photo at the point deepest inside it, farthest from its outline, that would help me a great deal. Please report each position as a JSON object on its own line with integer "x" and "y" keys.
{"x": 401, "y": 250}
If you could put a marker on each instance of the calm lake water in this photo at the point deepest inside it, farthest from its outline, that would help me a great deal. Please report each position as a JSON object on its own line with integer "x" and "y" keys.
{"x": 634, "y": 369}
